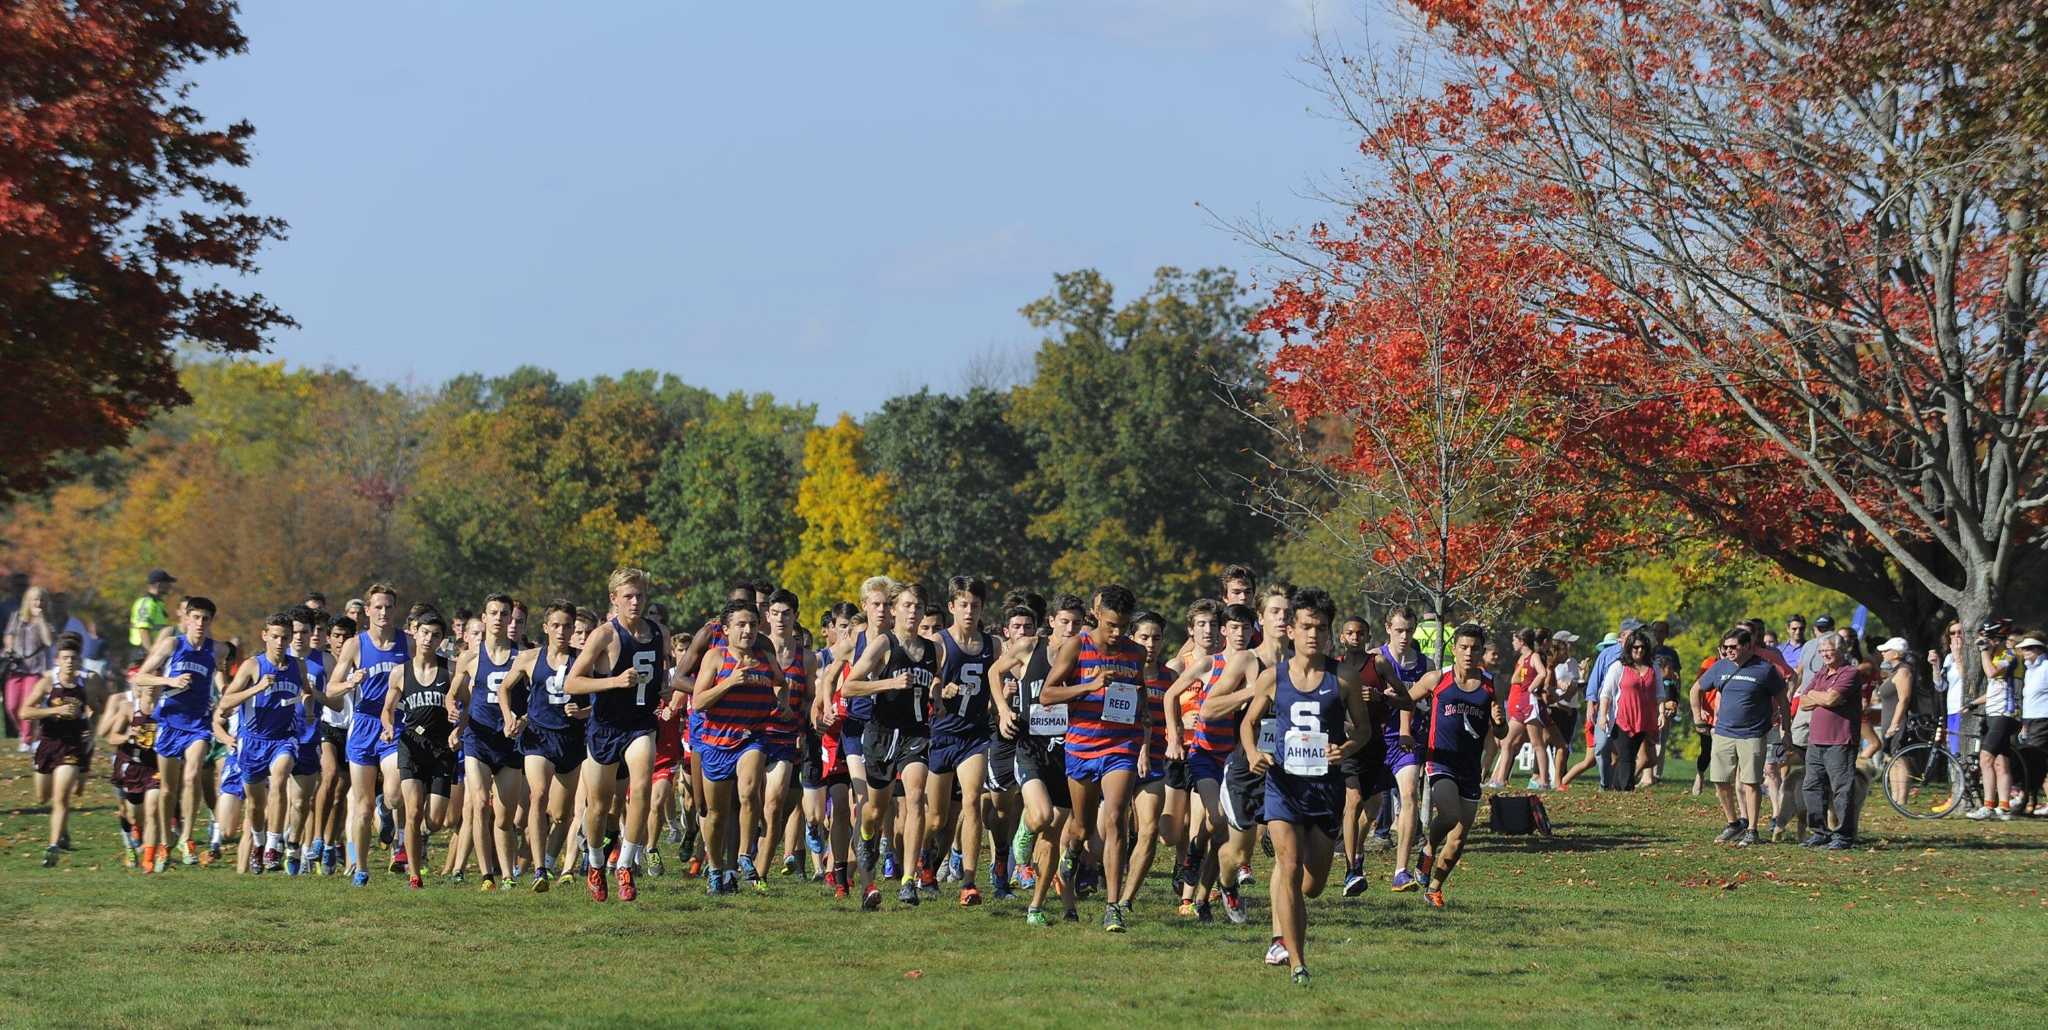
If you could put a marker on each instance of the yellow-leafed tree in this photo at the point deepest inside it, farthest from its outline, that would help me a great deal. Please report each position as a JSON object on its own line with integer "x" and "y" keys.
{"x": 846, "y": 523}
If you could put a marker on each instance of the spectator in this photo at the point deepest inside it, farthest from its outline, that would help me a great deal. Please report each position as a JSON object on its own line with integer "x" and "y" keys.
{"x": 1596, "y": 733}
{"x": 92, "y": 655}
{"x": 1665, "y": 658}
{"x": 1571, "y": 696}
{"x": 147, "y": 616}
{"x": 1793, "y": 644}
{"x": 1949, "y": 672}
{"x": 2033, "y": 745}
{"x": 1629, "y": 701}
{"x": 1752, "y": 701}
{"x": 1429, "y": 637}
{"x": 1784, "y": 742}
{"x": 1995, "y": 752}
{"x": 31, "y": 635}
{"x": 1834, "y": 697}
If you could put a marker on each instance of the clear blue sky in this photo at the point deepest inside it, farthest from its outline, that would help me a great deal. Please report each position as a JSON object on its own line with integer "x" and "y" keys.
{"x": 834, "y": 202}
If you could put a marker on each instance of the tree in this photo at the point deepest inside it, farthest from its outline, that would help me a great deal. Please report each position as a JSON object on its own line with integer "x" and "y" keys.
{"x": 724, "y": 497}
{"x": 1409, "y": 367}
{"x": 1804, "y": 269}
{"x": 109, "y": 200}
{"x": 847, "y": 526}
{"x": 954, "y": 464}
{"x": 1143, "y": 464}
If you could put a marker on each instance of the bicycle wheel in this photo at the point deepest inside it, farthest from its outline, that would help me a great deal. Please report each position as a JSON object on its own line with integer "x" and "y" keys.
{"x": 1923, "y": 782}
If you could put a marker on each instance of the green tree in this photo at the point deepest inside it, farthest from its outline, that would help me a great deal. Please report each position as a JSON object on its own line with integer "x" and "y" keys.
{"x": 724, "y": 500}
{"x": 847, "y": 525}
{"x": 1144, "y": 460}
{"x": 954, "y": 465}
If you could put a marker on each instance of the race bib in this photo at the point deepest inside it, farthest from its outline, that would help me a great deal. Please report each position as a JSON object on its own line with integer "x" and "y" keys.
{"x": 1305, "y": 753}
{"x": 1267, "y": 740}
{"x": 1120, "y": 703}
{"x": 1048, "y": 720}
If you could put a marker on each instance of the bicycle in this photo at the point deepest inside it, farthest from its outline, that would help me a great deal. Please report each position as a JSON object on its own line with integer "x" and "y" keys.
{"x": 1936, "y": 784}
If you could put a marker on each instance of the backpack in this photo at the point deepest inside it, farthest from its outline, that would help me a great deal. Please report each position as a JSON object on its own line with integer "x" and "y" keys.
{"x": 1517, "y": 815}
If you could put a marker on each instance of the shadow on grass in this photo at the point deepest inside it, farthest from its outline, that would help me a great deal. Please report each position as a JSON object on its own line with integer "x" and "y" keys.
{"x": 1573, "y": 842}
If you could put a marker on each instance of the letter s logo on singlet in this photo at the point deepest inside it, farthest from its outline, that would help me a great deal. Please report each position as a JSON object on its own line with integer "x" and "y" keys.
{"x": 1306, "y": 716}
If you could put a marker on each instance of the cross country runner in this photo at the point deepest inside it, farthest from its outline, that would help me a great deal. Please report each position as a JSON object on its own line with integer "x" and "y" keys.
{"x": 632, "y": 654}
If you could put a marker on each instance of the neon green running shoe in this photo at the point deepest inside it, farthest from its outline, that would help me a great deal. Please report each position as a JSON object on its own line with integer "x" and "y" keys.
{"x": 1021, "y": 845}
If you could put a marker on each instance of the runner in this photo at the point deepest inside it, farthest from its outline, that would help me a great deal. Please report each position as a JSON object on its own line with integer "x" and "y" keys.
{"x": 827, "y": 787}
{"x": 1529, "y": 696}
{"x": 631, "y": 652}
{"x": 270, "y": 693}
{"x": 897, "y": 676}
{"x": 782, "y": 736}
{"x": 1312, "y": 699}
{"x": 1148, "y": 631}
{"x": 129, "y": 730}
{"x": 1177, "y": 710}
{"x": 1038, "y": 758}
{"x": 539, "y": 714}
{"x": 1208, "y": 745}
{"x": 64, "y": 700}
{"x": 961, "y": 727}
{"x": 415, "y": 718}
{"x": 180, "y": 678}
{"x": 301, "y": 789}
{"x": 1241, "y": 795}
{"x": 739, "y": 686}
{"x": 331, "y": 798}
{"x": 1463, "y": 713}
{"x": 1403, "y": 661}
{"x": 1100, "y": 677}
{"x": 493, "y": 771}
{"x": 999, "y": 781}
{"x": 363, "y": 668}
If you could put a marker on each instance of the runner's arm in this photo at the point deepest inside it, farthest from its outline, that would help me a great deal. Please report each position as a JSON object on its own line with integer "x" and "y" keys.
{"x": 1065, "y": 664}
{"x": 343, "y": 679}
{"x": 32, "y": 706}
{"x": 601, "y": 644}
{"x": 1261, "y": 701}
{"x": 857, "y": 682}
{"x": 1232, "y": 689}
{"x": 521, "y": 672}
{"x": 245, "y": 686}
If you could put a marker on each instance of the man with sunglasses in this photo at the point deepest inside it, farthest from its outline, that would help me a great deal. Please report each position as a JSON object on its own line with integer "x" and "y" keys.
{"x": 1752, "y": 700}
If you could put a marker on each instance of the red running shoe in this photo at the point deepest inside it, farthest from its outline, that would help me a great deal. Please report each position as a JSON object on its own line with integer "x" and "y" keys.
{"x": 1435, "y": 897}
{"x": 970, "y": 897}
{"x": 626, "y": 891}
{"x": 595, "y": 881}
{"x": 839, "y": 888}
{"x": 414, "y": 882}
{"x": 398, "y": 860}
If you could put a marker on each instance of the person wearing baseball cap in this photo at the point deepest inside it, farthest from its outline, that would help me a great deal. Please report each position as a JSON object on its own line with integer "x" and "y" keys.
{"x": 147, "y": 616}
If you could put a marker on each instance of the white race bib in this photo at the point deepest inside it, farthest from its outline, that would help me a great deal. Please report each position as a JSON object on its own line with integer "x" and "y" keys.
{"x": 1048, "y": 720}
{"x": 1307, "y": 753}
{"x": 1120, "y": 703}
{"x": 1267, "y": 742}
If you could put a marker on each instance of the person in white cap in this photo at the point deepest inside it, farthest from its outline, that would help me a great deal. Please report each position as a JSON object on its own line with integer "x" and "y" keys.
{"x": 2033, "y": 746}
{"x": 1898, "y": 688}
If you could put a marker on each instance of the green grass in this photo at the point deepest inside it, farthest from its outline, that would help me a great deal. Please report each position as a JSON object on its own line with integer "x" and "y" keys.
{"x": 1628, "y": 915}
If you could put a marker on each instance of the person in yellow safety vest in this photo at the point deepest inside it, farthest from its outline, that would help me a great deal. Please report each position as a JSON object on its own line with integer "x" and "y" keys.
{"x": 147, "y": 616}
{"x": 1429, "y": 637}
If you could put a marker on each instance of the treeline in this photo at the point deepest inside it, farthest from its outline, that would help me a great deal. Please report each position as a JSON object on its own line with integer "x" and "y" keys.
{"x": 1117, "y": 458}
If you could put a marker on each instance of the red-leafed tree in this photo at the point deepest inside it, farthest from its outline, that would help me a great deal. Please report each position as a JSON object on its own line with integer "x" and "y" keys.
{"x": 1803, "y": 266}
{"x": 109, "y": 201}
{"x": 1409, "y": 368}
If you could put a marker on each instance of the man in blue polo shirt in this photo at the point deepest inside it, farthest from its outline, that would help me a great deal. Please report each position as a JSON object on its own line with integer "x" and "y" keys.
{"x": 1752, "y": 700}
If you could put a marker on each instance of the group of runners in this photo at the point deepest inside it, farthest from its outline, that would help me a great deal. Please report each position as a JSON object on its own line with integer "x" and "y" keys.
{"x": 1078, "y": 737}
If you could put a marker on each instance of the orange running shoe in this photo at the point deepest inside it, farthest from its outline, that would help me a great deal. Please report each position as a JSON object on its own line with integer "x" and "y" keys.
{"x": 970, "y": 897}
{"x": 595, "y": 881}
{"x": 626, "y": 891}
{"x": 1435, "y": 897}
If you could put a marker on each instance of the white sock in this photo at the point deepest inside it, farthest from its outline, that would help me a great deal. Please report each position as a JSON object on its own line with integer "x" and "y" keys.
{"x": 595, "y": 855}
{"x": 276, "y": 842}
{"x": 215, "y": 841}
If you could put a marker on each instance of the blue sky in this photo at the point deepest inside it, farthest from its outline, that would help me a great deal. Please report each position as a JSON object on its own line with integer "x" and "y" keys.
{"x": 833, "y": 202}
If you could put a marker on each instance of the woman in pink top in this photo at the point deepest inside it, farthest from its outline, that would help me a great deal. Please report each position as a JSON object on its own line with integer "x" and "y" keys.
{"x": 1630, "y": 694}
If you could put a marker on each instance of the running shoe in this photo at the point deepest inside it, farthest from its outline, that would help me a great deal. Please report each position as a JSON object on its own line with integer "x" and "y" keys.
{"x": 1027, "y": 876}
{"x": 64, "y": 841}
{"x": 970, "y": 896}
{"x": 956, "y": 866}
{"x": 273, "y": 859}
{"x": 129, "y": 857}
{"x": 839, "y": 889}
{"x": 871, "y": 899}
{"x": 1186, "y": 909}
{"x": 1112, "y": 918}
{"x": 2003, "y": 815}
{"x": 1244, "y": 875}
{"x": 316, "y": 851}
{"x": 1071, "y": 916}
{"x": 1355, "y": 884}
{"x": 1748, "y": 839}
{"x": 654, "y": 863}
{"x": 208, "y": 857}
{"x": 760, "y": 885}
{"x": 1205, "y": 913}
{"x": 1036, "y": 917}
{"x": 1839, "y": 842}
{"x": 675, "y": 832}
{"x": 255, "y": 865}
{"x": 1730, "y": 832}
{"x": 565, "y": 879}
{"x": 1001, "y": 891}
{"x": 814, "y": 842}
{"x": 1233, "y": 908}
{"x": 696, "y": 866}
{"x": 1276, "y": 953}
{"x": 927, "y": 885}
{"x": 890, "y": 869}
{"x": 1021, "y": 845}
{"x": 542, "y": 882}
{"x": 413, "y": 880}
{"x": 489, "y": 886}
{"x": 747, "y": 868}
{"x": 460, "y": 878}
{"x": 594, "y": 879}
{"x": 1435, "y": 897}
{"x": 1301, "y": 976}
{"x": 1979, "y": 813}
{"x": 386, "y": 827}
{"x": 792, "y": 864}
{"x": 511, "y": 881}
{"x": 626, "y": 890}
{"x": 1820, "y": 839}
{"x": 398, "y": 859}
{"x": 292, "y": 864}
{"x": 50, "y": 856}
{"x": 908, "y": 895}
{"x": 361, "y": 878}
{"x": 1405, "y": 881}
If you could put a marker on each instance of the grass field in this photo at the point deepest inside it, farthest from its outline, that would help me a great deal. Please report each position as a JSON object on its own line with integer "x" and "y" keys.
{"x": 1628, "y": 915}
